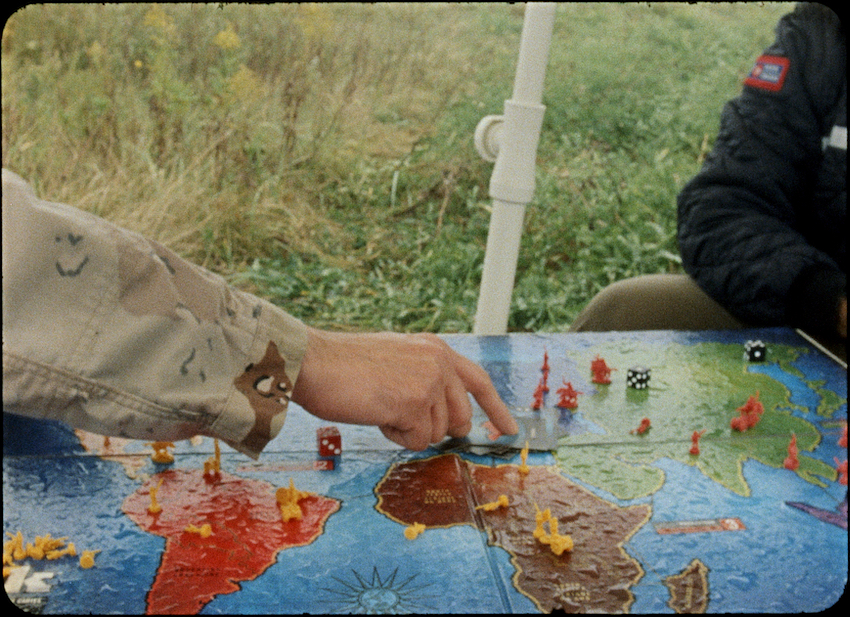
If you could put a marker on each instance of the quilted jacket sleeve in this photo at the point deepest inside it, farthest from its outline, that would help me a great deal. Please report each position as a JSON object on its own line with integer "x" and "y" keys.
{"x": 761, "y": 227}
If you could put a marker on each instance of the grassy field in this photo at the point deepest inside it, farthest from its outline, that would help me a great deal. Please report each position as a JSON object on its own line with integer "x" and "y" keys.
{"x": 321, "y": 155}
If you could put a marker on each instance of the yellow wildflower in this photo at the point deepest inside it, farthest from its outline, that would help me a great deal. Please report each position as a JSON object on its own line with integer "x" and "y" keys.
{"x": 227, "y": 38}
{"x": 245, "y": 86}
{"x": 314, "y": 20}
{"x": 158, "y": 18}
{"x": 95, "y": 52}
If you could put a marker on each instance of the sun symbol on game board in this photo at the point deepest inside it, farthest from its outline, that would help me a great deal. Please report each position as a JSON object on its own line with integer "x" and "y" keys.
{"x": 376, "y": 596}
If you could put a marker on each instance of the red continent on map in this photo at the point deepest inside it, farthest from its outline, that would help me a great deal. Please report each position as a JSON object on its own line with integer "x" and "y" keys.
{"x": 247, "y": 534}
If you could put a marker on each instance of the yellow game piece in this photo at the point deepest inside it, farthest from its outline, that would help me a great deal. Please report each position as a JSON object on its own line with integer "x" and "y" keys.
{"x": 46, "y": 543}
{"x": 290, "y": 511}
{"x": 540, "y": 518}
{"x": 205, "y": 530}
{"x": 291, "y": 494}
{"x": 87, "y": 559}
{"x": 413, "y": 531}
{"x": 212, "y": 466}
{"x": 560, "y": 544}
{"x": 155, "y": 508}
{"x": 15, "y": 546}
{"x": 69, "y": 550}
{"x": 160, "y": 451}
{"x": 502, "y": 502}
{"x": 9, "y": 544}
{"x": 287, "y": 499}
{"x": 36, "y": 552}
{"x": 523, "y": 457}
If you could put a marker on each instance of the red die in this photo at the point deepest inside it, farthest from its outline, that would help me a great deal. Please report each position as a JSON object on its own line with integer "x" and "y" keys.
{"x": 329, "y": 441}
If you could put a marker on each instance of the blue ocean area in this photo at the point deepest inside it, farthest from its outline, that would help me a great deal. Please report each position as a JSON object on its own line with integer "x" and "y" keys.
{"x": 782, "y": 557}
{"x": 779, "y": 538}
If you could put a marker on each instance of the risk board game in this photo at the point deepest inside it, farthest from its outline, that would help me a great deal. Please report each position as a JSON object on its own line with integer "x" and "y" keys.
{"x": 700, "y": 479}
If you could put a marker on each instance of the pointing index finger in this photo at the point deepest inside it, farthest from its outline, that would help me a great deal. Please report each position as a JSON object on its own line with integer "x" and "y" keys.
{"x": 478, "y": 383}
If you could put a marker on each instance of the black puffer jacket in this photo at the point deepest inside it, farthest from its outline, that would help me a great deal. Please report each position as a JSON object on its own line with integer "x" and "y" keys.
{"x": 762, "y": 227}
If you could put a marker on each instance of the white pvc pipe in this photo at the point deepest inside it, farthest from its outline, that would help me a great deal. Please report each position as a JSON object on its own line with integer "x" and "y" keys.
{"x": 533, "y": 52}
{"x": 500, "y": 260}
{"x": 512, "y": 182}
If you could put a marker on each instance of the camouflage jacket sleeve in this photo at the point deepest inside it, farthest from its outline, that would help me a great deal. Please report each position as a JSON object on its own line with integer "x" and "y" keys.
{"x": 117, "y": 335}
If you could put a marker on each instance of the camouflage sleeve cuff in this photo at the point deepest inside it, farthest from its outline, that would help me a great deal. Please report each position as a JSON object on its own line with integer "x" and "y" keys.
{"x": 116, "y": 334}
{"x": 263, "y": 388}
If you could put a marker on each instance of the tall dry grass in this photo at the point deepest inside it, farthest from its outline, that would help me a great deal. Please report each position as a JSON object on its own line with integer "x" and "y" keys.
{"x": 321, "y": 155}
{"x": 214, "y": 129}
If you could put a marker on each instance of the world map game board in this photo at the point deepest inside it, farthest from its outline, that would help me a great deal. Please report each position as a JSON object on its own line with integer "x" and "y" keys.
{"x": 641, "y": 500}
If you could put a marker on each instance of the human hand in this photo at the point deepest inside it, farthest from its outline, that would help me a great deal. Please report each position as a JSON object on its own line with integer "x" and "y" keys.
{"x": 412, "y": 386}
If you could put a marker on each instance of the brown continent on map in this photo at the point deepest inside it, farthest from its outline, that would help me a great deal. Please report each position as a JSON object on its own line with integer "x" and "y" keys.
{"x": 689, "y": 589}
{"x": 596, "y": 576}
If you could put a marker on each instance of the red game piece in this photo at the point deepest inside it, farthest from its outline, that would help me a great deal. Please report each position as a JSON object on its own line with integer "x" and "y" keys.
{"x": 538, "y": 399}
{"x": 842, "y": 470}
{"x": 792, "y": 462}
{"x": 569, "y": 396}
{"x": 842, "y": 441}
{"x": 751, "y": 412}
{"x": 545, "y": 367}
{"x": 695, "y": 442}
{"x": 539, "y": 391}
{"x": 601, "y": 371}
{"x": 644, "y": 426}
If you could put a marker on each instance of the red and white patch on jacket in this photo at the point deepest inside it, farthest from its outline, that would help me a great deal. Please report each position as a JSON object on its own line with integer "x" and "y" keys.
{"x": 768, "y": 73}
